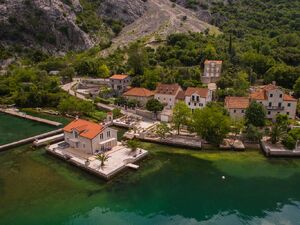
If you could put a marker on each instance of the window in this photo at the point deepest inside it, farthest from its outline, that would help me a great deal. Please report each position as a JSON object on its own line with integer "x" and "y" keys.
{"x": 279, "y": 104}
{"x": 280, "y": 96}
{"x": 197, "y": 98}
{"x": 234, "y": 111}
{"x": 289, "y": 104}
{"x": 270, "y": 104}
{"x": 108, "y": 134}
{"x": 189, "y": 103}
{"x": 101, "y": 136}
{"x": 200, "y": 104}
{"x": 193, "y": 98}
{"x": 243, "y": 111}
{"x": 269, "y": 112}
{"x": 287, "y": 113}
{"x": 195, "y": 104}
{"x": 271, "y": 95}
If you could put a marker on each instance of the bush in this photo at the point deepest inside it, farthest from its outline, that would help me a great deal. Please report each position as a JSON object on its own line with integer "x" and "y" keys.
{"x": 289, "y": 142}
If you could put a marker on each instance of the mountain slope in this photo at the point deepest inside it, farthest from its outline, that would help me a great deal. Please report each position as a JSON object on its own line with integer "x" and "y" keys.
{"x": 160, "y": 20}
{"x": 49, "y": 25}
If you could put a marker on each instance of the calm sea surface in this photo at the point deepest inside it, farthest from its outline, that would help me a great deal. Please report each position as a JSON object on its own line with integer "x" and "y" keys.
{"x": 173, "y": 186}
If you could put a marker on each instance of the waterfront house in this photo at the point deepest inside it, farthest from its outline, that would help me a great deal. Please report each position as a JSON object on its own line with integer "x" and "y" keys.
{"x": 167, "y": 94}
{"x": 120, "y": 82}
{"x": 212, "y": 71}
{"x": 88, "y": 137}
{"x": 197, "y": 98}
{"x": 236, "y": 106}
{"x": 275, "y": 101}
{"x": 142, "y": 95}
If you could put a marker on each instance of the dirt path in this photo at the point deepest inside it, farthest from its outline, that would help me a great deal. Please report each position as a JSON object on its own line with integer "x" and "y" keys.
{"x": 160, "y": 20}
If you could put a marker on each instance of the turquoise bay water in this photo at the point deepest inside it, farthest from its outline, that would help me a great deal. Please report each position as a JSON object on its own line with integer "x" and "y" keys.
{"x": 172, "y": 186}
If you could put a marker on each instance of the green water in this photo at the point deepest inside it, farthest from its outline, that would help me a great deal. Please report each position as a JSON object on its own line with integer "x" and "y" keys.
{"x": 14, "y": 128}
{"x": 172, "y": 186}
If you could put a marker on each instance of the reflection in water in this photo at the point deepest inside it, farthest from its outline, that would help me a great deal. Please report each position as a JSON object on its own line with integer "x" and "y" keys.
{"x": 168, "y": 189}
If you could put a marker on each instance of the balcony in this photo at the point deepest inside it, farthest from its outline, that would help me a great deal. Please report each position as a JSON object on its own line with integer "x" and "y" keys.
{"x": 277, "y": 108}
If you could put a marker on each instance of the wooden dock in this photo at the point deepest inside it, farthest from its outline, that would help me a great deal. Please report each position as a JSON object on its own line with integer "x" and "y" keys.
{"x": 29, "y": 140}
{"x": 29, "y": 117}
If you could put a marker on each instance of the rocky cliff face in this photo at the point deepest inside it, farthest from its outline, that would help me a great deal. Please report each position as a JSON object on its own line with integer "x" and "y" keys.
{"x": 124, "y": 10}
{"x": 52, "y": 25}
{"x": 46, "y": 24}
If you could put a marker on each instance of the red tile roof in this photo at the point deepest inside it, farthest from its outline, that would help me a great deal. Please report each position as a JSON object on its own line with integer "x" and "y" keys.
{"x": 85, "y": 128}
{"x": 119, "y": 76}
{"x": 167, "y": 89}
{"x": 202, "y": 92}
{"x": 261, "y": 93}
{"x": 213, "y": 61}
{"x": 180, "y": 95}
{"x": 289, "y": 98}
{"x": 237, "y": 102}
{"x": 139, "y": 92}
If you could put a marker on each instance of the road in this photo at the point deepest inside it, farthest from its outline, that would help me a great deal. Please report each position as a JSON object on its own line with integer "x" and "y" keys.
{"x": 68, "y": 88}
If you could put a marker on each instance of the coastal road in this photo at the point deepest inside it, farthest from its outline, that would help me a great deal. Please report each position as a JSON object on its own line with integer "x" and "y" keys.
{"x": 68, "y": 88}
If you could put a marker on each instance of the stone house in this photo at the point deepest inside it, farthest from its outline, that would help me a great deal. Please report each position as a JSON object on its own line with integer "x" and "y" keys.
{"x": 212, "y": 71}
{"x": 167, "y": 94}
{"x": 275, "y": 101}
{"x": 120, "y": 82}
{"x": 197, "y": 98}
{"x": 88, "y": 137}
{"x": 236, "y": 106}
{"x": 142, "y": 95}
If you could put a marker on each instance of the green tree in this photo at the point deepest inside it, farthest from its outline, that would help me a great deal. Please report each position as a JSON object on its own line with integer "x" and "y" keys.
{"x": 252, "y": 133}
{"x": 133, "y": 145}
{"x": 102, "y": 157}
{"x": 162, "y": 129}
{"x": 181, "y": 115}
{"x": 279, "y": 128}
{"x": 255, "y": 114}
{"x": 67, "y": 74}
{"x": 137, "y": 58}
{"x": 297, "y": 88}
{"x": 104, "y": 71}
{"x": 155, "y": 106}
{"x": 211, "y": 124}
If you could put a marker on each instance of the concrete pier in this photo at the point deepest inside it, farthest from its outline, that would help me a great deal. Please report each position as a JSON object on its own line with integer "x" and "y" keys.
{"x": 25, "y": 116}
{"x": 49, "y": 140}
{"x": 119, "y": 158}
{"x": 29, "y": 140}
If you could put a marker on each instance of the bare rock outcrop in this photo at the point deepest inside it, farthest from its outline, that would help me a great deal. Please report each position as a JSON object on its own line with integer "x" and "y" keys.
{"x": 123, "y": 10}
{"x": 46, "y": 24}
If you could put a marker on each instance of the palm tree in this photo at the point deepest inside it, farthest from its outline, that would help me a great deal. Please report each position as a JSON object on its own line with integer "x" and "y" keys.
{"x": 102, "y": 157}
{"x": 133, "y": 145}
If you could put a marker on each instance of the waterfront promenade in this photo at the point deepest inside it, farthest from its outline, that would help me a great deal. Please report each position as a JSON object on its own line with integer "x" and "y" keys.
{"x": 29, "y": 117}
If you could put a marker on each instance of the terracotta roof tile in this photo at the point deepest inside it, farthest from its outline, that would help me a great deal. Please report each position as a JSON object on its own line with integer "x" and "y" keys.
{"x": 237, "y": 102}
{"x": 167, "y": 89}
{"x": 85, "y": 128}
{"x": 119, "y": 76}
{"x": 180, "y": 95}
{"x": 213, "y": 61}
{"x": 139, "y": 92}
{"x": 202, "y": 92}
{"x": 289, "y": 98}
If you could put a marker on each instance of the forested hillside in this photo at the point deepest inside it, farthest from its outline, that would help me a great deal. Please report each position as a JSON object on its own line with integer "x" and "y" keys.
{"x": 260, "y": 43}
